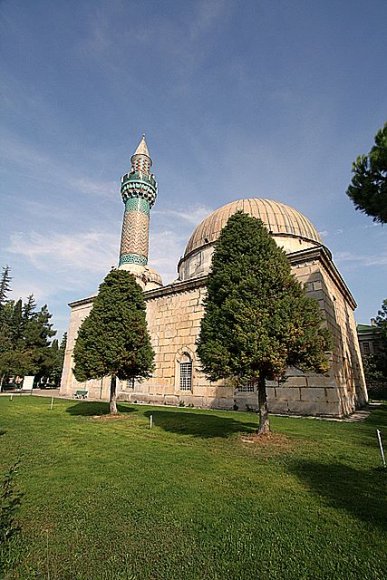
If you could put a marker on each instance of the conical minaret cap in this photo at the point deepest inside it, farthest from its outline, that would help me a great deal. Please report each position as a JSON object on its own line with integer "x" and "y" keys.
{"x": 142, "y": 148}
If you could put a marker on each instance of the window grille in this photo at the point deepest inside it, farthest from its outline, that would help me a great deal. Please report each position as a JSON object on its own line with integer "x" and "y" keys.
{"x": 130, "y": 383}
{"x": 247, "y": 388}
{"x": 366, "y": 348}
{"x": 186, "y": 375}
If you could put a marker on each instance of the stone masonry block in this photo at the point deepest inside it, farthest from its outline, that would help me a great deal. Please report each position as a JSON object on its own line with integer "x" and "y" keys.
{"x": 332, "y": 395}
{"x": 270, "y": 392}
{"x": 285, "y": 394}
{"x": 184, "y": 332}
{"x": 304, "y": 408}
{"x": 271, "y": 384}
{"x": 315, "y": 394}
{"x": 321, "y": 381}
{"x": 295, "y": 382}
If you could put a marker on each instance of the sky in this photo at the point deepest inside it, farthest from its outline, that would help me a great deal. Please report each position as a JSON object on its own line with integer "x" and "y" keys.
{"x": 238, "y": 98}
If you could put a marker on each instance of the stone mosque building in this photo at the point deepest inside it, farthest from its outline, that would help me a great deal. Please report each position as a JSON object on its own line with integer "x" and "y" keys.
{"x": 174, "y": 311}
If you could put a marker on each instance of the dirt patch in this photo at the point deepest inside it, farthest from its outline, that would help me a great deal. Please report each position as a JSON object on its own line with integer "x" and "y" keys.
{"x": 118, "y": 417}
{"x": 276, "y": 440}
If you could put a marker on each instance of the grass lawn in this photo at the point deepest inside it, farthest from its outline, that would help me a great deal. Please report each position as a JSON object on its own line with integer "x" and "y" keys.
{"x": 191, "y": 498}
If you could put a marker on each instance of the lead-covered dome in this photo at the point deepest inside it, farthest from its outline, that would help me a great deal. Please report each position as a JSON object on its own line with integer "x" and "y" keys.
{"x": 290, "y": 229}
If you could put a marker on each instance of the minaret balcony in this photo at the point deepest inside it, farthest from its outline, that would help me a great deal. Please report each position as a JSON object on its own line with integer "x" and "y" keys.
{"x": 139, "y": 176}
{"x": 139, "y": 188}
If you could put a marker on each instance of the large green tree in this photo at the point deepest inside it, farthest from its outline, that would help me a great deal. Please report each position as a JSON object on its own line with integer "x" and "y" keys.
{"x": 114, "y": 340}
{"x": 368, "y": 188}
{"x": 375, "y": 363}
{"x": 258, "y": 319}
{"x": 376, "y": 367}
{"x": 25, "y": 335}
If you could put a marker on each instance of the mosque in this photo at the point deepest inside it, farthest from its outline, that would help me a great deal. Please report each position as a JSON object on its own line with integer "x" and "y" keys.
{"x": 174, "y": 311}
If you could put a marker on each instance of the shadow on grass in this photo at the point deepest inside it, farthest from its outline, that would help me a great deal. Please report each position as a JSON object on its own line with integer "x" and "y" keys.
{"x": 378, "y": 416}
{"x": 360, "y": 493}
{"x": 377, "y": 419}
{"x": 96, "y": 408}
{"x": 2, "y": 432}
{"x": 198, "y": 424}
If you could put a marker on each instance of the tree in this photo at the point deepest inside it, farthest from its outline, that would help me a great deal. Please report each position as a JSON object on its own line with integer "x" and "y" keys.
{"x": 368, "y": 188}
{"x": 379, "y": 360}
{"x": 37, "y": 334}
{"x": 258, "y": 319}
{"x": 114, "y": 340}
{"x": 381, "y": 319}
{"x": 58, "y": 355}
{"x": 4, "y": 285}
{"x": 29, "y": 307}
{"x": 24, "y": 339}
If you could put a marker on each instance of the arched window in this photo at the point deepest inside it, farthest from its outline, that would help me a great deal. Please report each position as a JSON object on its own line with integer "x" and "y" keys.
{"x": 185, "y": 373}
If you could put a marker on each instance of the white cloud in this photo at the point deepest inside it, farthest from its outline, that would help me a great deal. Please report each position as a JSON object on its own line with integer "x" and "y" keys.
{"x": 34, "y": 161}
{"x": 99, "y": 38}
{"x": 86, "y": 251}
{"x": 93, "y": 187}
{"x": 24, "y": 288}
{"x": 207, "y": 14}
{"x": 359, "y": 260}
{"x": 194, "y": 215}
{"x": 186, "y": 46}
{"x": 166, "y": 248}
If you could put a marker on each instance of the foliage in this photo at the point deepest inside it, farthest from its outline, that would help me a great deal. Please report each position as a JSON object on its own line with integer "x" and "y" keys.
{"x": 381, "y": 319}
{"x": 10, "y": 501}
{"x": 258, "y": 319}
{"x": 368, "y": 188}
{"x": 192, "y": 500}
{"x": 58, "y": 357}
{"x": 114, "y": 340}
{"x": 25, "y": 335}
{"x": 375, "y": 366}
{"x": 4, "y": 285}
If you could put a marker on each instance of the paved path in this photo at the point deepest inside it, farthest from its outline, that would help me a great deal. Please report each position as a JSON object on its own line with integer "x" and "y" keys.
{"x": 38, "y": 392}
{"x": 360, "y": 415}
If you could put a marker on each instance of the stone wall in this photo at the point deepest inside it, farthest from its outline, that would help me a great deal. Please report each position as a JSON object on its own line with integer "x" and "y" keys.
{"x": 173, "y": 316}
{"x": 174, "y": 313}
{"x": 98, "y": 389}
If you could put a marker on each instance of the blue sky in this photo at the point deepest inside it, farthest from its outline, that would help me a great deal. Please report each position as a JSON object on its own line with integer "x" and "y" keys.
{"x": 238, "y": 98}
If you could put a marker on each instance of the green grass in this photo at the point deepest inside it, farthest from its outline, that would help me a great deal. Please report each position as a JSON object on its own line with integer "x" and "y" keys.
{"x": 190, "y": 499}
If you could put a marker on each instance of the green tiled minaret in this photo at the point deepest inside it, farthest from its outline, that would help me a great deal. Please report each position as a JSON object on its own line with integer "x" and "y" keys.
{"x": 139, "y": 192}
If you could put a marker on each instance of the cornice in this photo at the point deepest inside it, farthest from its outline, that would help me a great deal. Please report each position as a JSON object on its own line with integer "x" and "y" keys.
{"x": 319, "y": 253}
{"x": 323, "y": 255}
{"x": 175, "y": 287}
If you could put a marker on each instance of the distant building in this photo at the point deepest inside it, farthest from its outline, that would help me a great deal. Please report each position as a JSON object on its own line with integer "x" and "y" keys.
{"x": 174, "y": 311}
{"x": 369, "y": 338}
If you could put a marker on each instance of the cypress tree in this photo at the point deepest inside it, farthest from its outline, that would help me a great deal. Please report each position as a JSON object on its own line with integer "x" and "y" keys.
{"x": 114, "y": 340}
{"x": 57, "y": 369}
{"x": 258, "y": 319}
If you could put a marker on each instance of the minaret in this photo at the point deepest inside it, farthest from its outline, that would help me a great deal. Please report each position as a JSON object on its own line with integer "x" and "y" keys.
{"x": 139, "y": 192}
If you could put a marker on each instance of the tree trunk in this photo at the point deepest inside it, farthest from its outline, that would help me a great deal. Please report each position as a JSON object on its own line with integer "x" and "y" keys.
{"x": 113, "y": 395}
{"x": 264, "y": 424}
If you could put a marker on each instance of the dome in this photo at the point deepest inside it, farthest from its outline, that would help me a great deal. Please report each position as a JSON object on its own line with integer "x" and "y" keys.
{"x": 291, "y": 230}
{"x": 280, "y": 219}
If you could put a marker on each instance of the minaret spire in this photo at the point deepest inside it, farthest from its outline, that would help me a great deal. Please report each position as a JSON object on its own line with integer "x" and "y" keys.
{"x": 139, "y": 192}
{"x": 142, "y": 148}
